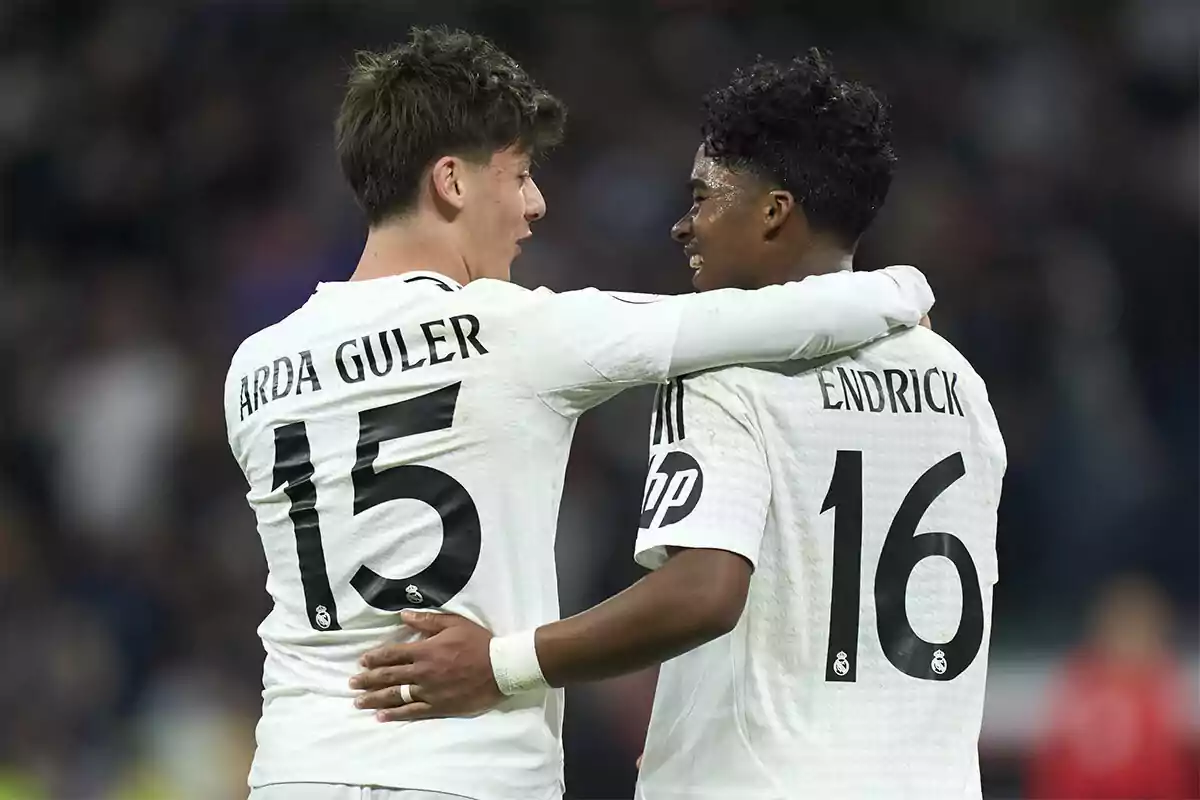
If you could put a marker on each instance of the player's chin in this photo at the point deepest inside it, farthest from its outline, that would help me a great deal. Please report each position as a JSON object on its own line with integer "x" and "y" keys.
{"x": 703, "y": 280}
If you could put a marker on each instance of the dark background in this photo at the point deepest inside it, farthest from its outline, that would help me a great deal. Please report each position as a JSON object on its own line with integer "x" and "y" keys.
{"x": 169, "y": 187}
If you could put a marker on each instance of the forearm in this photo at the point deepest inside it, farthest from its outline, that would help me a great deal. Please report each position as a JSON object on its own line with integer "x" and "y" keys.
{"x": 637, "y": 628}
{"x": 820, "y": 315}
{"x": 695, "y": 597}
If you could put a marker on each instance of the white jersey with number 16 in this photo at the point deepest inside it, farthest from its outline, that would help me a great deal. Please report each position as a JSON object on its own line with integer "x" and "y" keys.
{"x": 864, "y": 491}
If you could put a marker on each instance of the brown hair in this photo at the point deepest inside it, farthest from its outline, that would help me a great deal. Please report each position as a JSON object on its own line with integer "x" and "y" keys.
{"x": 441, "y": 93}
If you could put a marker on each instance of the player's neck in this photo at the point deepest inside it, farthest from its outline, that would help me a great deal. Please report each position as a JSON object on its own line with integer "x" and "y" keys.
{"x": 820, "y": 261}
{"x": 394, "y": 248}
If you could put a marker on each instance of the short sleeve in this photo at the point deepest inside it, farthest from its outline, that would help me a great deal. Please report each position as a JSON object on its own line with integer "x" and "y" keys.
{"x": 707, "y": 485}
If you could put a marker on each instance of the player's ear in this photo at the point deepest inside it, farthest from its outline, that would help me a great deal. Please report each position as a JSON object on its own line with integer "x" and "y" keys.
{"x": 448, "y": 179}
{"x": 779, "y": 207}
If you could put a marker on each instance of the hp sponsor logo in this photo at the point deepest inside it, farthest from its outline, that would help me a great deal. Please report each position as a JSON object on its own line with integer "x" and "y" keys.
{"x": 673, "y": 488}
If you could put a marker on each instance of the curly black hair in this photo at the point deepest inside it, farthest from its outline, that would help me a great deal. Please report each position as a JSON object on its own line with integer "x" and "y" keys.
{"x": 442, "y": 92}
{"x": 825, "y": 140}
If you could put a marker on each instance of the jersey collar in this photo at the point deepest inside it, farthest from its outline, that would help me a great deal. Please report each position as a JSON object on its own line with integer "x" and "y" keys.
{"x": 418, "y": 277}
{"x": 427, "y": 276}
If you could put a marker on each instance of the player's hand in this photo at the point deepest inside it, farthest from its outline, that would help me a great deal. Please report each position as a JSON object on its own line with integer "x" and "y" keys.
{"x": 448, "y": 674}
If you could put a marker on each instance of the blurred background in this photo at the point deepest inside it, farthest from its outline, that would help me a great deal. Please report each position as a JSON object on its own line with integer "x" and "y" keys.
{"x": 169, "y": 186}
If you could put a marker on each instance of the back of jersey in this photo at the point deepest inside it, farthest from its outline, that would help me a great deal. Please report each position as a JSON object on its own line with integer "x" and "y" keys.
{"x": 405, "y": 441}
{"x": 858, "y": 667}
{"x": 381, "y": 428}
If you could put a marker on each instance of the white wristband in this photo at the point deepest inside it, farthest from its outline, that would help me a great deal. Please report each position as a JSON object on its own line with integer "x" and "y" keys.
{"x": 515, "y": 663}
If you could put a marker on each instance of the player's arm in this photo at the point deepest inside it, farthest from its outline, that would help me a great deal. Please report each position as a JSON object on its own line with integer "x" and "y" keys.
{"x": 591, "y": 344}
{"x": 704, "y": 509}
{"x": 696, "y": 596}
{"x": 703, "y": 513}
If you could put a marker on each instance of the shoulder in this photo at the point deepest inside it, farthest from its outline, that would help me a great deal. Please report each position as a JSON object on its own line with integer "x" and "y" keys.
{"x": 496, "y": 288}
{"x": 592, "y": 317}
{"x": 922, "y": 344}
{"x": 542, "y": 294}
{"x": 970, "y": 386}
{"x": 724, "y": 383}
{"x": 254, "y": 345}
{"x": 503, "y": 299}
{"x": 738, "y": 386}
{"x": 269, "y": 339}
{"x": 935, "y": 344}
{"x": 705, "y": 402}
{"x": 929, "y": 342}
{"x": 511, "y": 294}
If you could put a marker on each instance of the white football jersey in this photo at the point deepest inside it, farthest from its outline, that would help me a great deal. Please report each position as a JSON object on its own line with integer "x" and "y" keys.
{"x": 864, "y": 491}
{"x": 405, "y": 441}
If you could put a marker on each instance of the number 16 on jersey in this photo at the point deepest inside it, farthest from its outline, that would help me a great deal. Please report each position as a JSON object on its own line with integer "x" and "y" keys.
{"x": 902, "y": 550}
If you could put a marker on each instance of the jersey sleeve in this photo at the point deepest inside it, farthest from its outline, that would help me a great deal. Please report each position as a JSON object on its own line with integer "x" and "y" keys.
{"x": 708, "y": 484}
{"x": 590, "y": 344}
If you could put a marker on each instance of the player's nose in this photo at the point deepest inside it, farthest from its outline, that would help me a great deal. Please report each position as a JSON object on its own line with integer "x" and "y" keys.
{"x": 681, "y": 231}
{"x": 535, "y": 203}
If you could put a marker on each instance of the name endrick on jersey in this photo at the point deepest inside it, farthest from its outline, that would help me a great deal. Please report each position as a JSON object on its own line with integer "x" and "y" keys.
{"x": 360, "y": 358}
{"x": 933, "y": 390}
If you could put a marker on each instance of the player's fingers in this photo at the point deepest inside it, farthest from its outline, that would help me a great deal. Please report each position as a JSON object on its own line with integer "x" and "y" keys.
{"x": 391, "y": 697}
{"x": 426, "y": 622}
{"x": 415, "y": 710}
{"x": 389, "y": 655}
{"x": 383, "y": 677}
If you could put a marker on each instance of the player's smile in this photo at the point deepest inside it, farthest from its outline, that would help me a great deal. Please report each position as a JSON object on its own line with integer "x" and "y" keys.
{"x": 720, "y": 233}
{"x": 695, "y": 262}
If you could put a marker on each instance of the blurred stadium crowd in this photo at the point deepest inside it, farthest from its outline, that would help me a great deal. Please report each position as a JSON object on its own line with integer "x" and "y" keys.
{"x": 169, "y": 186}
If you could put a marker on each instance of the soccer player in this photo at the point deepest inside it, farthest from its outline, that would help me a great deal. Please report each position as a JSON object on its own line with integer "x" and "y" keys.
{"x": 822, "y": 534}
{"x": 404, "y": 434}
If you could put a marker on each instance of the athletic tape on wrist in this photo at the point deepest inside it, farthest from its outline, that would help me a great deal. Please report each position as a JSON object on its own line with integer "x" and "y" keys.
{"x": 515, "y": 663}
